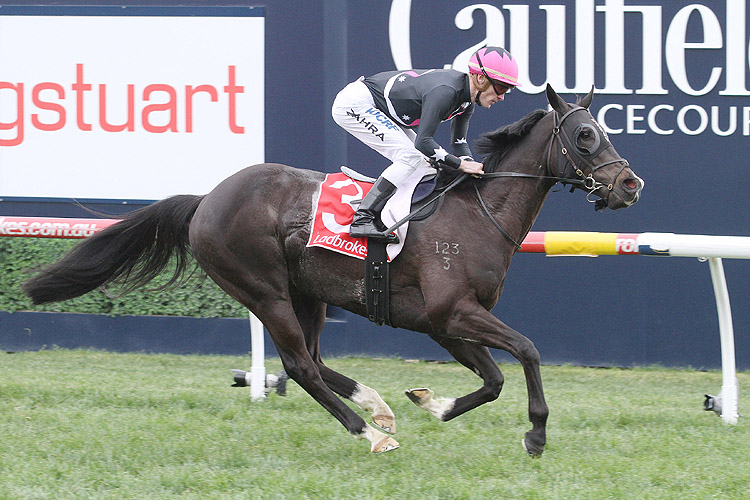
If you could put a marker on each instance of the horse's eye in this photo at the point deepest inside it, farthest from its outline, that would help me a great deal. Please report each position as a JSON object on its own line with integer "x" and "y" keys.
{"x": 586, "y": 139}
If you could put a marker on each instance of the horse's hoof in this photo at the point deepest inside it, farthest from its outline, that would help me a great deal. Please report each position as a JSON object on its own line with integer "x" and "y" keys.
{"x": 419, "y": 396}
{"x": 425, "y": 399}
{"x": 385, "y": 444}
{"x": 533, "y": 451}
{"x": 386, "y": 423}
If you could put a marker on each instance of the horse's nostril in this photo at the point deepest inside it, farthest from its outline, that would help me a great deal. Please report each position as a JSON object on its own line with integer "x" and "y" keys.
{"x": 631, "y": 183}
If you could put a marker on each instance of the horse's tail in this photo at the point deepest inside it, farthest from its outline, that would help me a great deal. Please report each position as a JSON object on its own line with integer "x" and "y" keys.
{"x": 131, "y": 252}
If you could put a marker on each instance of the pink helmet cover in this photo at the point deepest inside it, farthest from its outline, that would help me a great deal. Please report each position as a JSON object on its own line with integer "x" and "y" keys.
{"x": 498, "y": 64}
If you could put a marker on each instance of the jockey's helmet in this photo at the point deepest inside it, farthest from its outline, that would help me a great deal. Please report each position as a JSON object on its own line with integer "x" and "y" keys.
{"x": 495, "y": 63}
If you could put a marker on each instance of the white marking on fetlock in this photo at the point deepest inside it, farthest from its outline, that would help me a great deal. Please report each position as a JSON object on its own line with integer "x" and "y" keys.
{"x": 425, "y": 399}
{"x": 379, "y": 442}
{"x": 369, "y": 400}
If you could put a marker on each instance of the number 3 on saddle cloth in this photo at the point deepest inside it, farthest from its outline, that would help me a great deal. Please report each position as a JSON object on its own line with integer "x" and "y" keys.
{"x": 337, "y": 199}
{"x": 334, "y": 205}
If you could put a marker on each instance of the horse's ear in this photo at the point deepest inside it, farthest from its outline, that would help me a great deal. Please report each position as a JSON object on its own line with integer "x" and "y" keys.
{"x": 555, "y": 100}
{"x": 586, "y": 101}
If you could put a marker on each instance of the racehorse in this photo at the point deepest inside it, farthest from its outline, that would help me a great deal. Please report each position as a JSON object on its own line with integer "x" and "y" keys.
{"x": 249, "y": 235}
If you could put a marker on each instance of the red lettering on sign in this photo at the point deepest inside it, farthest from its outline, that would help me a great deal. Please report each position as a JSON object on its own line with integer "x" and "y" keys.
{"x": 129, "y": 125}
{"x": 189, "y": 93}
{"x": 79, "y": 87}
{"x": 18, "y": 123}
{"x": 48, "y": 106}
{"x": 159, "y": 113}
{"x": 170, "y": 106}
{"x": 233, "y": 89}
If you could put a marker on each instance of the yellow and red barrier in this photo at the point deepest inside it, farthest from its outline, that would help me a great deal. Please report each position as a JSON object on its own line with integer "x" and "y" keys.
{"x": 548, "y": 242}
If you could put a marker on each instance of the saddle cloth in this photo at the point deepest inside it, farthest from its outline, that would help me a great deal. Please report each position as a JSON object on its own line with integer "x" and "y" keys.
{"x": 334, "y": 205}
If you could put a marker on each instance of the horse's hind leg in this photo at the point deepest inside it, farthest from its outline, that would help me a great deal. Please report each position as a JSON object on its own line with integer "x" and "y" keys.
{"x": 266, "y": 293}
{"x": 476, "y": 358}
{"x": 311, "y": 316}
{"x": 289, "y": 340}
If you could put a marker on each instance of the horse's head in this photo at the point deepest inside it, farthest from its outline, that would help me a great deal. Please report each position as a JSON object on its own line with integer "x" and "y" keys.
{"x": 585, "y": 154}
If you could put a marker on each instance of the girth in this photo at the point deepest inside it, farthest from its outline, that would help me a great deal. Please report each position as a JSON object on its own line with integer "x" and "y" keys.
{"x": 377, "y": 283}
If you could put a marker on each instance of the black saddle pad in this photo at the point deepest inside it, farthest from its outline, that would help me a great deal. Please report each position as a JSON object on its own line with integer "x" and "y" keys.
{"x": 425, "y": 187}
{"x": 429, "y": 188}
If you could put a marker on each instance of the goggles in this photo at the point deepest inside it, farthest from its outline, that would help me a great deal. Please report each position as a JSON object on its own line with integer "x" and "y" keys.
{"x": 499, "y": 88}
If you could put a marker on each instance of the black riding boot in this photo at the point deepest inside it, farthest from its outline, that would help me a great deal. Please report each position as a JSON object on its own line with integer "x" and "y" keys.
{"x": 367, "y": 216}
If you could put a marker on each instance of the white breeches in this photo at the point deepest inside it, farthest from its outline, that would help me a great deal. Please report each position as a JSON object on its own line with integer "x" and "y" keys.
{"x": 354, "y": 110}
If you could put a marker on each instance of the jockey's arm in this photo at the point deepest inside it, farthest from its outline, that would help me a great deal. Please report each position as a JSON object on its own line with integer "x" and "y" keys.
{"x": 459, "y": 129}
{"x": 434, "y": 107}
{"x": 459, "y": 134}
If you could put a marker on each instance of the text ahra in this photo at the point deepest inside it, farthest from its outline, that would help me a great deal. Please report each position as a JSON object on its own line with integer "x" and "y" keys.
{"x": 367, "y": 118}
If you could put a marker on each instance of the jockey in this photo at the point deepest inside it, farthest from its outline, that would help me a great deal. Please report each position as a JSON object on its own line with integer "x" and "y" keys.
{"x": 397, "y": 113}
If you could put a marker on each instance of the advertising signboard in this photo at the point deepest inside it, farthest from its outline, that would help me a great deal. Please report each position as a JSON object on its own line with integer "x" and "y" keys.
{"x": 128, "y": 103}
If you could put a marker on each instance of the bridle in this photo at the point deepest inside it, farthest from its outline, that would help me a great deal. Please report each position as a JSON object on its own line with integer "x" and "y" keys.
{"x": 575, "y": 158}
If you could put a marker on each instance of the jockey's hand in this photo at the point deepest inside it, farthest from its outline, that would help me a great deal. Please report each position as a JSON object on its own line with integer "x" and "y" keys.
{"x": 471, "y": 167}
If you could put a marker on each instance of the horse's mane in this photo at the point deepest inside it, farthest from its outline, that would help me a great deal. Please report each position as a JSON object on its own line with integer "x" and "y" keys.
{"x": 496, "y": 143}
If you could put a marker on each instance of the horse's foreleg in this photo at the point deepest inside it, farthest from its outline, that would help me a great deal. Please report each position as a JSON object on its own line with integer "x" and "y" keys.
{"x": 504, "y": 337}
{"x": 476, "y": 358}
{"x": 474, "y": 324}
{"x": 311, "y": 316}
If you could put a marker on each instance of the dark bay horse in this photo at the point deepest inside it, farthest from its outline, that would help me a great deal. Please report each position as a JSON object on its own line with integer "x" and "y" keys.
{"x": 249, "y": 235}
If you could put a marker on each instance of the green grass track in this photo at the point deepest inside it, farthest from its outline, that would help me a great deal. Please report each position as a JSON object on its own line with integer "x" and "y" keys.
{"x": 95, "y": 425}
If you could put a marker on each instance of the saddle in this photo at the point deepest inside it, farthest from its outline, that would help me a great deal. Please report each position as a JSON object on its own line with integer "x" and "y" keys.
{"x": 424, "y": 202}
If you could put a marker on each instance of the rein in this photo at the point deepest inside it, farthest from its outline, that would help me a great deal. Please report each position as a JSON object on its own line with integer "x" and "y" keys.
{"x": 455, "y": 182}
{"x": 497, "y": 225}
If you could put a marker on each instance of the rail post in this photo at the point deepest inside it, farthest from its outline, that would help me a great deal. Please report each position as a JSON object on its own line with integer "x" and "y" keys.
{"x": 257, "y": 367}
{"x": 729, "y": 390}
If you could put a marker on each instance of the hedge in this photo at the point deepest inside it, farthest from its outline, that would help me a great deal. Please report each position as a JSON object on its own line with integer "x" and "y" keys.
{"x": 199, "y": 297}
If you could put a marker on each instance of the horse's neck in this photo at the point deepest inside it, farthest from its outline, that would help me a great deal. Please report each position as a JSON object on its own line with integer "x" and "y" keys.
{"x": 517, "y": 201}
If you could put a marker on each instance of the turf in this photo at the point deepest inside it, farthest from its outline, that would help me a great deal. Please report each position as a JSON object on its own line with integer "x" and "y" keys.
{"x": 87, "y": 424}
